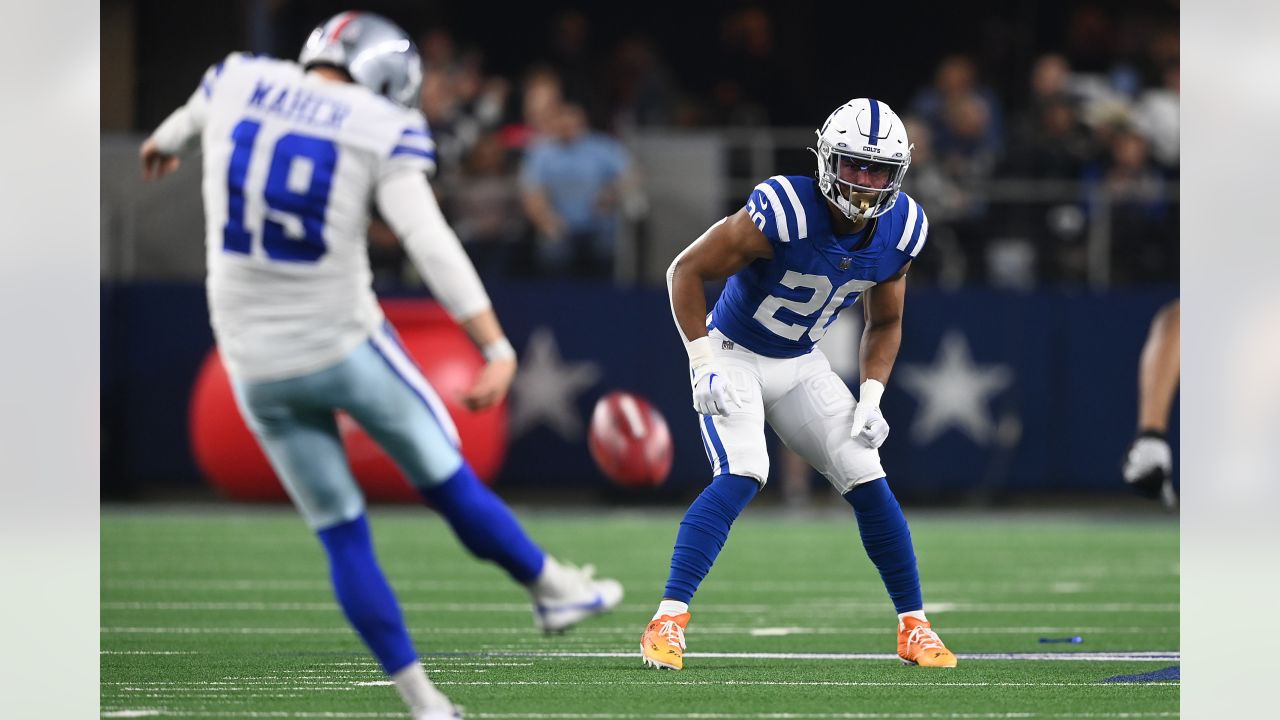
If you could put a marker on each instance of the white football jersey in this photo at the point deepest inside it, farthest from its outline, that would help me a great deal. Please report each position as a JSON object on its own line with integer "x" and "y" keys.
{"x": 291, "y": 163}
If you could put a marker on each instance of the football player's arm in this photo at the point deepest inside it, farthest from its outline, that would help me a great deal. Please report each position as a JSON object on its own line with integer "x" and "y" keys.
{"x": 882, "y": 333}
{"x": 881, "y": 336}
{"x": 407, "y": 204}
{"x": 159, "y": 152}
{"x": 724, "y": 249}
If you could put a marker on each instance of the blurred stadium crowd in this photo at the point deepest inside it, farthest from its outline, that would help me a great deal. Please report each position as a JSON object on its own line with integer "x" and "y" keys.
{"x": 1035, "y": 127}
{"x": 536, "y": 175}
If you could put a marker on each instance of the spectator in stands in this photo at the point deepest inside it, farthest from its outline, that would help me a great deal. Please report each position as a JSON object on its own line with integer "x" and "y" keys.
{"x": 485, "y": 209}
{"x": 572, "y": 59}
{"x": 1143, "y": 229}
{"x": 640, "y": 89}
{"x": 932, "y": 187}
{"x": 1157, "y": 116}
{"x": 540, "y": 96}
{"x": 753, "y": 86}
{"x": 571, "y": 184}
{"x": 956, "y": 91}
{"x": 460, "y": 103}
{"x": 1060, "y": 145}
{"x": 1049, "y": 139}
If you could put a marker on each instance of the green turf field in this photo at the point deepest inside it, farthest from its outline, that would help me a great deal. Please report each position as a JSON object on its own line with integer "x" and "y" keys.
{"x": 228, "y": 614}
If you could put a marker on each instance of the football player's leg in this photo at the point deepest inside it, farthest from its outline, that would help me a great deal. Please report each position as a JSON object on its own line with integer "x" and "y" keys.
{"x": 393, "y": 401}
{"x": 305, "y": 449}
{"x": 739, "y": 459}
{"x": 735, "y": 448}
{"x": 388, "y": 395}
{"x": 814, "y": 419}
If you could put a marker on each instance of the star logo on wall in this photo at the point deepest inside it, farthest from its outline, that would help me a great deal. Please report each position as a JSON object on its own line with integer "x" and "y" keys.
{"x": 954, "y": 392}
{"x": 546, "y": 389}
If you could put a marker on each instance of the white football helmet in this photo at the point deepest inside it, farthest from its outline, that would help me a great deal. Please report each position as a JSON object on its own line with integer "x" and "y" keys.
{"x": 374, "y": 51}
{"x": 863, "y": 154}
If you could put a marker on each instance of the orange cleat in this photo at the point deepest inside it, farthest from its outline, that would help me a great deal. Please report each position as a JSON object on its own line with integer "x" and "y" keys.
{"x": 919, "y": 645}
{"x": 662, "y": 645}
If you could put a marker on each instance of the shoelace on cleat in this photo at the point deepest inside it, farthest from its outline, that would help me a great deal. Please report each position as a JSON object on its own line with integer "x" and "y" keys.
{"x": 672, "y": 632}
{"x": 925, "y": 638}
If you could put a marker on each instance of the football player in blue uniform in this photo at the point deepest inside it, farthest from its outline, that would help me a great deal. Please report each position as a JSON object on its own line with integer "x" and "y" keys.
{"x": 802, "y": 250}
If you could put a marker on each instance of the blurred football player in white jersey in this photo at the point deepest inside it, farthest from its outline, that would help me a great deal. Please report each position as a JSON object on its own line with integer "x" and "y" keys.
{"x": 294, "y": 156}
{"x": 802, "y": 250}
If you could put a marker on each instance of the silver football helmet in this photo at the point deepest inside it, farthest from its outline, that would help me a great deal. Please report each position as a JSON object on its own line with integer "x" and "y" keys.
{"x": 374, "y": 51}
{"x": 863, "y": 155}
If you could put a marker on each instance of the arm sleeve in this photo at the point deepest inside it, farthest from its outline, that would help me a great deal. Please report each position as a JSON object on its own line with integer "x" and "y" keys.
{"x": 185, "y": 124}
{"x": 409, "y": 207}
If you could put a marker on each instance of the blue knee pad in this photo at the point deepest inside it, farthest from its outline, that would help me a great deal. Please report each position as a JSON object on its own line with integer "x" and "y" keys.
{"x": 485, "y": 525}
{"x": 364, "y": 594}
{"x": 703, "y": 532}
{"x": 887, "y": 540}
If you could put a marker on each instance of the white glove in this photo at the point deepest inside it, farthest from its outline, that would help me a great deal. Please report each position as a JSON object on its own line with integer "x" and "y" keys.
{"x": 713, "y": 393}
{"x": 869, "y": 425}
{"x": 1148, "y": 468}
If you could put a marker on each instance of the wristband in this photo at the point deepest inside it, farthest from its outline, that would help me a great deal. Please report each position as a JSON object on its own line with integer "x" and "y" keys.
{"x": 499, "y": 349}
{"x": 700, "y": 351}
{"x": 870, "y": 392}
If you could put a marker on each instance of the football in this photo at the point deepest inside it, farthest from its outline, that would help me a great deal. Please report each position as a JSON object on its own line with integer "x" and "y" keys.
{"x": 630, "y": 441}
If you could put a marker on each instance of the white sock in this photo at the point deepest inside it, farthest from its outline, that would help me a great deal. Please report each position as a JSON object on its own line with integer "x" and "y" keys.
{"x": 671, "y": 607}
{"x": 917, "y": 614}
{"x": 417, "y": 691}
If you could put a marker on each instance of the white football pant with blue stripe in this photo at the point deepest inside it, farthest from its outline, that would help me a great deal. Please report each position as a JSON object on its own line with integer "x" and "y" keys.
{"x": 806, "y": 404}
{"x": 381, "y": 388}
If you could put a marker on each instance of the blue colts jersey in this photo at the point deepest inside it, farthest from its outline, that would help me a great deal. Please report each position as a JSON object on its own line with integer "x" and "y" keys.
{"x": 782, "y": 306}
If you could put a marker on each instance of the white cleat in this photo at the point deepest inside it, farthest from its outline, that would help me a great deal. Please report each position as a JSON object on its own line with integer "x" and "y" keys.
{"x": 565, "y": 595}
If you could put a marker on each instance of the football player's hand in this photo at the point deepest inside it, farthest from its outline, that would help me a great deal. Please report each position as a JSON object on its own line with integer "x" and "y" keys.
{"x": 874, "y": 431}
{"x": 713, "y": 393}
{"x": 869, "y": 425}
{"x": 491, "y": 386}
{"x": 1148, "y": 468}
{"x": 156, "y": 164}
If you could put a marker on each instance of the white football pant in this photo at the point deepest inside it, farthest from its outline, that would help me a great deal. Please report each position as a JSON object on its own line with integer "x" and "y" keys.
{"x": 382, "y": 389}
{"x": 806, "y": 404}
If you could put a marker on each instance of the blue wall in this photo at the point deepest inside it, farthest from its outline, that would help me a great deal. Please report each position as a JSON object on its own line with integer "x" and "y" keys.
{"x": 993, "y": 392}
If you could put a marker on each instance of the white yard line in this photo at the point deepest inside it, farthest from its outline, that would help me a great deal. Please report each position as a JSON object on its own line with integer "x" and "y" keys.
{"x": 808, "y": 607}
{"x": 629, "y": 630}
{"x": 154, "y": 712}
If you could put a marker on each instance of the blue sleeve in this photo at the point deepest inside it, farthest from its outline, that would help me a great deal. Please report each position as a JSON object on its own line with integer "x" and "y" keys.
{"x": 775, "y": 208}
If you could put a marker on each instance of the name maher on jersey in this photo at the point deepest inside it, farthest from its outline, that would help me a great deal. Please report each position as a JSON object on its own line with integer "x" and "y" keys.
{"x": 297, "y": 105}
